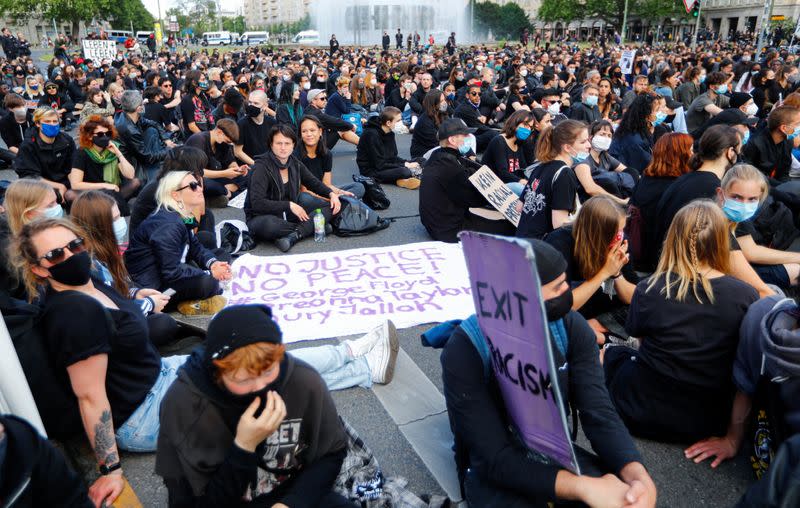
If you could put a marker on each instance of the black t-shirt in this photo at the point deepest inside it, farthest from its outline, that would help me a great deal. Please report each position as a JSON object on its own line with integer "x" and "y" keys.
{"x": 318, "y": 165}
{"x": 648, "y": 192}
{"x": 552, "y": 186}
{"x": 506, "y": 163}
{"x": 690, "y": 342}
{"x": 200, "y": 116}
{"x": 253, "y": 137}
{"x": 77, "y": 327}
{"x": 687, "y": 188}
{"x": 92, "y": 171}
{"x": 158, "y": 113}
{"x": 219, "y": 158}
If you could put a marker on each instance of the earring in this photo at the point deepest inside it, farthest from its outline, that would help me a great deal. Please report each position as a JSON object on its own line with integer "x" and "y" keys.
{"x": 180, "y": 205}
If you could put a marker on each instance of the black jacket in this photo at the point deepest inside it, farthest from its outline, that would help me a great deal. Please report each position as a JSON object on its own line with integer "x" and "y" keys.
{"x": 469, "y": 113}
{"x": 394, "y": 98}
{"x": 13, "y": 133}
{"x": 202, "y": 466}
{"x": 265, "y": 191}
{"x": 58, "y": 101}
{"x": 34, "y": 473}
{"x": 446, "y": 194}
{"x": 331, "y": 123}
{"x": 771, "y": 159}
{"x": 37, "y": 159}
{"x": 425, "y": 137}
{"x": 415, "y": 101}
{"x": 131, "y": 137}
{"x": 154, "y": 255}
{"x": 377, "y": 150}
{"x": 584, "y": 113}
{"x": 481, "y": 427}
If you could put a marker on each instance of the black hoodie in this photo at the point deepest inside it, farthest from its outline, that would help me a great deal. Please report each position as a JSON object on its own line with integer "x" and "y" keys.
{"x": 52, "y": 161}
{"x": 202, "y": 466}
{"x": 377, "y": 150}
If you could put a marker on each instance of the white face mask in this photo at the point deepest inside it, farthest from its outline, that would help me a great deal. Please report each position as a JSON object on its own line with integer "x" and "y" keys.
{"x": 751, "y": 110}
{"x": 307, "y": 85}
{"x": 601, "y": 143}
{"x": 554, "y": 108}
{"x": 120, "y": 229}
{"x": 523, "y": 72}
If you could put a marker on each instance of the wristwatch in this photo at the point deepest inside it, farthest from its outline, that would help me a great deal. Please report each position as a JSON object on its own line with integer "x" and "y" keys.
{"x": 105, "y": 469}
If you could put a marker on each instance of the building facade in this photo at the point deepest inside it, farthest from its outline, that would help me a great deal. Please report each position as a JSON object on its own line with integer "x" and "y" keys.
{"x": 726, "y": 17}
{"x": 35, "y": 29}
{"x": 266, "y": 13}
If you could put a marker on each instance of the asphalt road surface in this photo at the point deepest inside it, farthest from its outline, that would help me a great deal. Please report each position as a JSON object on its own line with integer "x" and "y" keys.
{"x": 405, "y": 424}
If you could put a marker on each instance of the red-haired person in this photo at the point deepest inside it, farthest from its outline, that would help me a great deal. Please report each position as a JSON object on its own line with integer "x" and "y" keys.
{"x": 99, "y": 164}
{"x": 245, "y": 421}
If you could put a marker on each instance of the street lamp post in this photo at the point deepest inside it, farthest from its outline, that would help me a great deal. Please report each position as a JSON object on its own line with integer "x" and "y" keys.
{"x": 624, "y": 23}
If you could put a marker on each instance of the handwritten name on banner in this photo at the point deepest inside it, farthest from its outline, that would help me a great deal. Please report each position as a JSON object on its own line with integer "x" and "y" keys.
{"x": 331, "y": 294}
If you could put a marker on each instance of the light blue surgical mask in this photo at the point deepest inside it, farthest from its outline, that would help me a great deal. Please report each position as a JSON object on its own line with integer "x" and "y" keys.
{"x": 746, "y": 137}
{"x": 120, "y": 229}
{"x": 660, "y": 117}
{"x": 590, "y": 101}
{"x": 50, "y": 131}
{"x": 54, "y": 212}
{"x": 580, "y": 157}
{"x": 794, "y": 134}
{"x": 737, "y": 211}
{"x": 464, "y": 149}
{"x": 702, "y": 78}
{"x": 523, "y": 133}
{"x": 721, "y": 89}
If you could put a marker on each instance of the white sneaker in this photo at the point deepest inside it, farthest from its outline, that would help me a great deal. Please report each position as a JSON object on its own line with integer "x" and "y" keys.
{"x": 382, "y": 358}
{"x": 364, "y": 344}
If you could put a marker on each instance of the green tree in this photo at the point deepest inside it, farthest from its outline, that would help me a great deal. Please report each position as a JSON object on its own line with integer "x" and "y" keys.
{"x": 560, "y": 10}
{"x": 487, "y": 15}
{"x": 512, "y": 22}
{"x": 131, "y": 12}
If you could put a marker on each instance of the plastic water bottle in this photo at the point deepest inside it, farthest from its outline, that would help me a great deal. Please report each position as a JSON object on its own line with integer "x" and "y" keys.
{"x": 319, "y": 226}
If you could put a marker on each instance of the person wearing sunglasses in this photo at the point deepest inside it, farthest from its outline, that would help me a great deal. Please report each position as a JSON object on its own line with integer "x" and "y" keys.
{"x": 335, "y": 127}
{"x": 98, "y": 344}
{"x": 163, "y": 246}
{"x": 47, "y": 154}
{"x": 54, "y": 98}
{"x": 469, "y": 111}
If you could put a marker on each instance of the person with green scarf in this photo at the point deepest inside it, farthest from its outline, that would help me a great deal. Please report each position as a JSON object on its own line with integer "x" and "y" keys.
{"x": 289, "y": 109}
{"x": 99, "y": 163}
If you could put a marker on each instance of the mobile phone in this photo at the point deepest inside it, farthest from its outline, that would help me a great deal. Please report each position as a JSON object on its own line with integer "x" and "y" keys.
{"x": 617, "y": 239}
{"x": 168, "y": 292}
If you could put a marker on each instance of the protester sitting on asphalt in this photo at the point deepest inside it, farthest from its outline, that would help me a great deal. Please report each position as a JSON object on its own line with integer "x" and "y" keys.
{"x": 710, "y": 103}
{"x": 34, "y": 472}
{"x": 504, "y": 154}
{"x": 632, "y": 142}
{"x": 600, "y": 283}
{"x": 58, "y": 100}
{"x": 469, "y": 111}
{"x": 335, "y": 127}
{"x": 276, "y": 207}
{"x": 494, "y": 469}
{"x": 600, "y": 174}
{"x": 551, "y": 192}
{"x": 435, "y": 111}
{"x": 196, "y": 108}
{"x": 14, "y": 123}
{"x": 768, "y": 247}
{"x": 377, "y": 152}
{"x": 164, "y": 244}
{"x": 223, "y": 176}
{"x": 140, "y": 138}
{"x": 97, "y": 102}
{"x": 254, "y": 127}
{"x": 313, "y": 153}
{"x": 670, "y": 313}
{"x": 99, "y": 164}
{"x": 770, "y": 149}
{"x": 47, "y": 153}
{"x": 96, "y": 213}
{"x": 244, "y": 420}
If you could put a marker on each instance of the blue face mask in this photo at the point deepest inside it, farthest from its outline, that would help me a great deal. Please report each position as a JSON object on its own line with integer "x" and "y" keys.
{"x": 702, "y": 79}
{"x": 590, "y": 100}
{"x": 50, "y": 131}
{"x": 580, "y": 157}
{"x": 464, "y": 149}
{"x": 120, "y": 229}
{"x": 660, "y": 117}
{"x": 794, "y": 134}
{"x": 746, "y": 138}
{"x": 523, "y": 133}
{"x": 54, "y": 212}
{"x": 737, "y": 211}
{"x": 451, "y": 97}
{"x": 721, "y": 89}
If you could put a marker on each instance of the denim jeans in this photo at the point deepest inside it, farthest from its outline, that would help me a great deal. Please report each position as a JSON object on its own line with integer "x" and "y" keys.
{"x": 338, "y": 369}
{"x": 516, "y": 188}
{"x": 139, "y": 433}
{"x": 356, "y": 188}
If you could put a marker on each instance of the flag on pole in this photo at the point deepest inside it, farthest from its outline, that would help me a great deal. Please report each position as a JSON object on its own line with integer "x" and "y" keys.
{"x": 689, "y": 5}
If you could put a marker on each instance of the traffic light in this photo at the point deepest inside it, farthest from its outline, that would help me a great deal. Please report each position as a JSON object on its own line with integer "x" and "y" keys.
{"x": 696, "y": 9}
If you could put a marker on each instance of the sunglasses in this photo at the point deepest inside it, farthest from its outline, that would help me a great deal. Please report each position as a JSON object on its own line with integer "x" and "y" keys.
{"x": 474, "y": 94}
{"x": 191, "y": 185}
{"x": 56, "y": 256}
{"x": 51, "y": 88}
{"x": 167, "y": 85}
{"x": 322, "y": 98}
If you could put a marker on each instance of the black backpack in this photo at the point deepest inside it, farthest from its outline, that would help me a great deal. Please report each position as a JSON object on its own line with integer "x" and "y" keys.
{"x": 357, "y": 219}
{"x": 774, "y": 225}
{"x": 374, "y": 195}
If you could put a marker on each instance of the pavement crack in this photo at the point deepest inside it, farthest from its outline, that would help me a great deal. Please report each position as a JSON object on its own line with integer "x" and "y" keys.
{"x": 421, "y": 418}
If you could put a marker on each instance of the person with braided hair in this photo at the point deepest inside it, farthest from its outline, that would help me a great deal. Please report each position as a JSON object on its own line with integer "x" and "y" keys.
{"x": 677, "y": 386}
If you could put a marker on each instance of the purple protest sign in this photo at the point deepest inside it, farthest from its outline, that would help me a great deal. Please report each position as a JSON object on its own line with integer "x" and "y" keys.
{"x": 508, "y": 304}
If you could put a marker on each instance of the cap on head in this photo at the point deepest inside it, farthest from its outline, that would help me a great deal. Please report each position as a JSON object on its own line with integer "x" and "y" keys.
{"x": 312, "y": 94}
{"x": 453, "y": 127}
{"x": 240, "y": 325}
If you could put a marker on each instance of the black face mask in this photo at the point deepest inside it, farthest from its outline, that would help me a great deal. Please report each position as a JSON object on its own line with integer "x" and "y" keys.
{"x": 252, "y": 111}
{"x": 101, "y": 140}
{"x": 74, "y": 271}
{"x": 558, "y": 307}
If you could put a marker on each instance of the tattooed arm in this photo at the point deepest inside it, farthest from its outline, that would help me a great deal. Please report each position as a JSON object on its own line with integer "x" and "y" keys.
{"x": 88, "y": 383}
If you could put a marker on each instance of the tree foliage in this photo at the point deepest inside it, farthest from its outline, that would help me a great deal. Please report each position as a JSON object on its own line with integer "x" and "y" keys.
{"x": 506, "y": 21}
{"x": 119, "y": 12}
{"x": 610, "y": 11}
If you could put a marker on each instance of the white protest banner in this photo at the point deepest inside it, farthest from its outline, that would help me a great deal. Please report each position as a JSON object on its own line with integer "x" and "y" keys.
{"x": 626, "y": 62}
{"x": 332, "y": 294}
{"x": 497, "y": 193}
{"x": 97, "y": 50}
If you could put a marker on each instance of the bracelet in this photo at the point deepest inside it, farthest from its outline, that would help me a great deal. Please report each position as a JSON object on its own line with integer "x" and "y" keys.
{"x": 617, "y": 276}
{"x": 106, "y": 469}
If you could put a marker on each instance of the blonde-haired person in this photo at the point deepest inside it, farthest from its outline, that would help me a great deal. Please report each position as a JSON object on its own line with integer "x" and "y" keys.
{"x": 742, "y": 193}
{"x": 678, "y": 385}
{"x": 339, "y": 102}
{"x": 115, "y": 90}
{"x": 33, "y": 91}
{"x": 596, "y": 251}
{"x": 47, "y": 153}
{"x": 25, "y": 200}
{"x": 161, "y": 248}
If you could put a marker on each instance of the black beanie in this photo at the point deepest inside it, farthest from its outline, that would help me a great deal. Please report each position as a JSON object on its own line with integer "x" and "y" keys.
{"x": 238, "y": 326}
{"x": 549, "y": 262}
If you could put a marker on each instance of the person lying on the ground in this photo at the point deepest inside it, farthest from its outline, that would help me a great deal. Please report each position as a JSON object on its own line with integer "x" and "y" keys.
{"x": 494, "y": 468}
{"x": 247, "y": 424}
